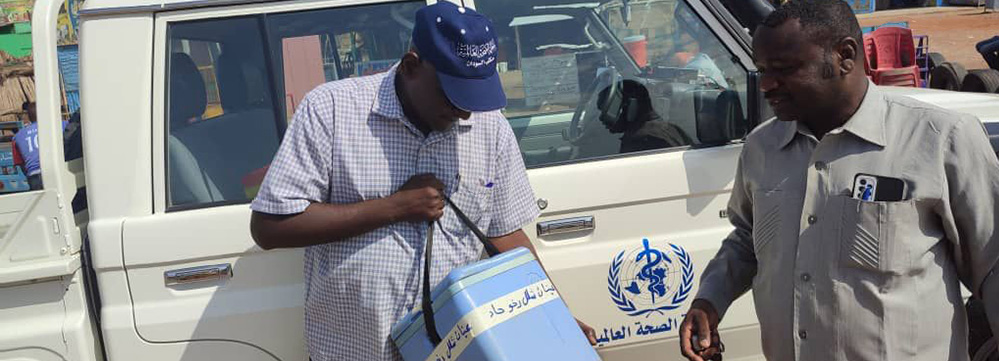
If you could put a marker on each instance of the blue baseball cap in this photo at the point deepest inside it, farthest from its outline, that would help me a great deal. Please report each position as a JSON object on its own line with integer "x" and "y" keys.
{"x": 462, "y": 45}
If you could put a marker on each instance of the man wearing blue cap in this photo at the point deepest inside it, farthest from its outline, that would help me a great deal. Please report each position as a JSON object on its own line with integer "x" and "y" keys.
{"x": 363, "y": 168}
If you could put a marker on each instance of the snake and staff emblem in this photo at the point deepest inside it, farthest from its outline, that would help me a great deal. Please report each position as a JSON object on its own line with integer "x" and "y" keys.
{"x": 646, "y": 279}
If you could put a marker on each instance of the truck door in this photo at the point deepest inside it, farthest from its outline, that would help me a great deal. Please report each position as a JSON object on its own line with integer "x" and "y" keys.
{"x": 226, "y": 82}
{"x": 43, "y": 303}
{"x": 629, "y": 116}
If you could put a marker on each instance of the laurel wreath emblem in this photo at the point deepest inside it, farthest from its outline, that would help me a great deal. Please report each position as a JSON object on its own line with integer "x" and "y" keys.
{"x": 627, "y": 306}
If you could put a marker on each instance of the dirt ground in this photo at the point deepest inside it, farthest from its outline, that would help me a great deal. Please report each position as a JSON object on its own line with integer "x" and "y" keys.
{"x": 953, "y": 31}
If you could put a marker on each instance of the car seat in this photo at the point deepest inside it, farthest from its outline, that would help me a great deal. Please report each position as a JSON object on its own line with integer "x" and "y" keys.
{"x": 188, "y": 182}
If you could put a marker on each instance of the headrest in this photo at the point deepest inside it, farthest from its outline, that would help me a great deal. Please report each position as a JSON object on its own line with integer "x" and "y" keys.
{"x": 188, "y": 98}
{"x": 719, "y": 117}
{"x": 628, "y": 102}
{"x": 232, "y": 82}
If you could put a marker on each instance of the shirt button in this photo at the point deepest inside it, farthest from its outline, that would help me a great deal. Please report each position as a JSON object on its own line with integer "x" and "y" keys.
{"x": 802, "y": 334}
{"x": 812, "y": 219}
{"x": 806, "y": 277}
{"x": 820, "y": 165}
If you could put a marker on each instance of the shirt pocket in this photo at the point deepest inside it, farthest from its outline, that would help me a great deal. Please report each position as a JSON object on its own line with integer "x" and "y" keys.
{"x": 473, "y": 200}
{"x": 766, "y": 219}
{"x": 870, "y": 236}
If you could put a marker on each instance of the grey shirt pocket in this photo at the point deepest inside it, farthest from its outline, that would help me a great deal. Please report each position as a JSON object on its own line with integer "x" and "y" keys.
{"x": 869, "y": 235}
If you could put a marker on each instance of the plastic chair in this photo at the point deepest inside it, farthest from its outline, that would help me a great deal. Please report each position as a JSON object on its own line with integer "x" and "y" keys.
{"x": 895, "y": 47}
{"x": 896, "y": 77}
{"x": 894, "y": 57}
{"x": 869, "y": 56}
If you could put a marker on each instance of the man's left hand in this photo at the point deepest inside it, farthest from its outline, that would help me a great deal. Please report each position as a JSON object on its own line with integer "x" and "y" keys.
{"x": 591, "y": 334}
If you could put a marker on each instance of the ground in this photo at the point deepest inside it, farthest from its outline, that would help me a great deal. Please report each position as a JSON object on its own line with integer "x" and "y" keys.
{"x": 953, "y": 31}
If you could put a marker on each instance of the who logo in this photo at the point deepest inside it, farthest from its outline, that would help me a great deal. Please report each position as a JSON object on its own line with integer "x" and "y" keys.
{"x": 649, "y": 279}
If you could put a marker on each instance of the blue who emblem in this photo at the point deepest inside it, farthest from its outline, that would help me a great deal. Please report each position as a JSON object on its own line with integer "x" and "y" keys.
{"x": 646, "y": 279}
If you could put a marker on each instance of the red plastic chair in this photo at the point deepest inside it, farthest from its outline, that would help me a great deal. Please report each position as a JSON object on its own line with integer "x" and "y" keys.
{"x": 869, "y": 55}
{"x": 894, "y": 60}
{"x": 897, "y": 77}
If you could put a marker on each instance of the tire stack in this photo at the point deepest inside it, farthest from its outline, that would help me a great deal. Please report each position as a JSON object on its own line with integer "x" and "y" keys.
{"x": 953, "y": 76}
{"x": 981, "y": 81}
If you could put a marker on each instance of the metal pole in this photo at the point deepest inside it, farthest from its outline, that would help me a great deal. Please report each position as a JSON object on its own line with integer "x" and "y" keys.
{"x": 516, "y": 34}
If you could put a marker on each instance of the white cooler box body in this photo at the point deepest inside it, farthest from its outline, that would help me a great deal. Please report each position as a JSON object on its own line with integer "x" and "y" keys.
{"x": 501, "y": 308}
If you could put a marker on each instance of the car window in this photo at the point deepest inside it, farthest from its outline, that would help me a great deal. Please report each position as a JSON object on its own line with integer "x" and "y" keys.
{"x": 586, "y": 81}
{"x": 317, "y": 46}
{"x": 224, "y": 119}
{"x": 222, "y": 128}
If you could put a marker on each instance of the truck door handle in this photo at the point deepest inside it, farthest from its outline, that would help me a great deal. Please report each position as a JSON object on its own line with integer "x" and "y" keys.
{"x": 567, "y": 225}
{"x": 217, "y": 272}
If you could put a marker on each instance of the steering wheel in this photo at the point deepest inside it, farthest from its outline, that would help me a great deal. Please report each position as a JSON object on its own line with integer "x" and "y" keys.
{"x": 586, "y": 112}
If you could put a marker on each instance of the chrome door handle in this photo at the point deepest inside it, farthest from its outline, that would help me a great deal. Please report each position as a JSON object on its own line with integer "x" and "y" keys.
{"x": 218, "y": 272}
{"x": 567, "y": 225}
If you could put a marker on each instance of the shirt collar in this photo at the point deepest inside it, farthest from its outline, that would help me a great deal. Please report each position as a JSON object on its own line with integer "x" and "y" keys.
{"x": 387, "y": 103}
{"x": 791, "y": 129}
{"x": 866, "y": 123}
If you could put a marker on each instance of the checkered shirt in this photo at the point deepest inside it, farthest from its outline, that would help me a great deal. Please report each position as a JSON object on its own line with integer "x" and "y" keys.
{"x": 349, "y": 142}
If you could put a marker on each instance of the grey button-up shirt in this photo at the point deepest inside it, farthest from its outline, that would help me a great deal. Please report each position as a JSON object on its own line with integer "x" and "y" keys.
{"x": 836, "y": 278}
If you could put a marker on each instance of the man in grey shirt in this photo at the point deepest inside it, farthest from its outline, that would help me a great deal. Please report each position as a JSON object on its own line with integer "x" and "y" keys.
{"x": 839, "y": 274}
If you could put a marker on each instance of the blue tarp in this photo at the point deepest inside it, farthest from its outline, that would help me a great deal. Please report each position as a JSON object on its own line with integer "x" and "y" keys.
{"x": 899, "y": 24}
{"x": 69, "y": 68}
{"x": 72, "y": 101}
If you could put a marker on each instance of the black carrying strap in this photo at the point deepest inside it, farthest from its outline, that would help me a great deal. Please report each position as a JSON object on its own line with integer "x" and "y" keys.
{"x": 490, "y": 248}
{"x": 427, "y": 303}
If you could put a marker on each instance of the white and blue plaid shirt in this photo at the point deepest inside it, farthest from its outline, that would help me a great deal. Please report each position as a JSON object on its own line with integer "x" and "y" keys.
{"x": 349, "y": 142}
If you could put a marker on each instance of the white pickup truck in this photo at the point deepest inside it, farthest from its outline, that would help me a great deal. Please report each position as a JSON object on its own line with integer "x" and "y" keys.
{"x": 184, "y": 103}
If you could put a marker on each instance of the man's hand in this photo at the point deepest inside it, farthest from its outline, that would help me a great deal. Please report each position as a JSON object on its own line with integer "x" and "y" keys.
{"x": 699, "y": 339}
{"x": 420, "y": 199}
{"x": 591, "y": 335}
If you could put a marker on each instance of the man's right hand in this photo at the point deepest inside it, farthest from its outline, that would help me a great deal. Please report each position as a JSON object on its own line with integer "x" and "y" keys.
{"x": 420, "y": 199}
{"x": 701, "y": 322}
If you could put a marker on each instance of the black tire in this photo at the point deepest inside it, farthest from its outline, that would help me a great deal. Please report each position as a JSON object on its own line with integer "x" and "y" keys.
{"x": 947, "y": 76}
{"x": 935, "y": 59}
{"x": 981, "y": 81}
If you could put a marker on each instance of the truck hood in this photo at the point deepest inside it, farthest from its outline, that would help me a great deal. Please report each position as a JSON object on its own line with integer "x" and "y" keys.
{"x": 984, "y": 106}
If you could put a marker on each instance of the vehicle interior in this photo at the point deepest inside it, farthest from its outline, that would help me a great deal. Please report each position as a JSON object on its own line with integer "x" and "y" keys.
{"x": 575, "y": 51}
{"x": 221, "y": 119}
{"x": 225, "y": 123}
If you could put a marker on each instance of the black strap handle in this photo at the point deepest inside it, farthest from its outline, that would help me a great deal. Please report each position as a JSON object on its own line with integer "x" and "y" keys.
{"x": 427, "y": 303}
{"x": 428, "y": 306}
{"x": 490, "y": 248}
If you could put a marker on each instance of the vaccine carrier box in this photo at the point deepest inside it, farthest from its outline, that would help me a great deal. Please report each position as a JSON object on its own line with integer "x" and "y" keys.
{"x": 501, "y": 308}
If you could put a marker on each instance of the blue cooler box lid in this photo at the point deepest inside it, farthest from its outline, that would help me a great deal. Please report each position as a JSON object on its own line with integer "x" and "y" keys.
{"x": 456, "y": 281}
